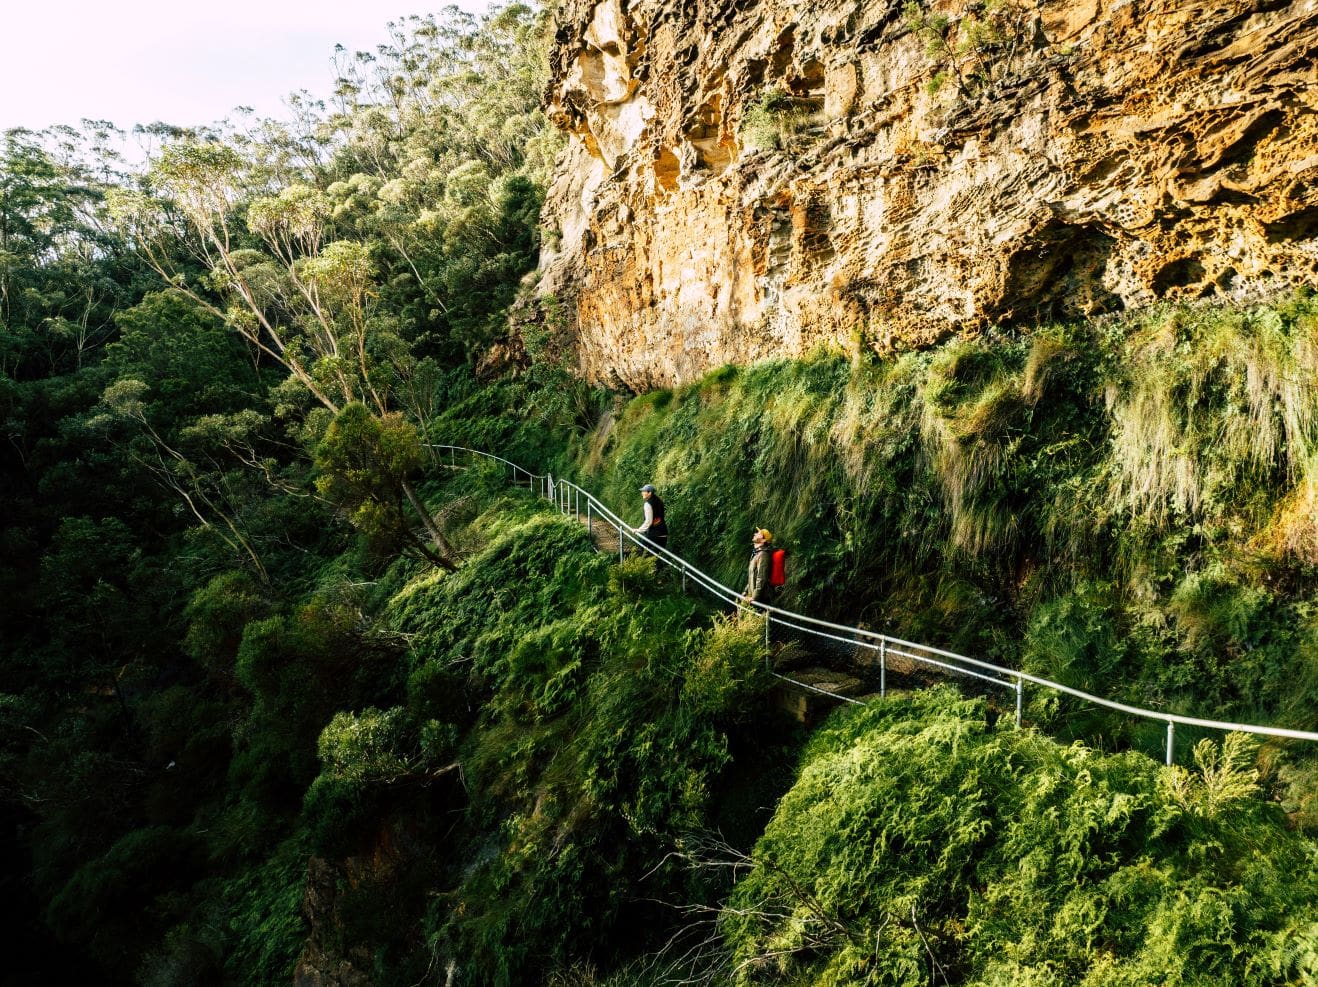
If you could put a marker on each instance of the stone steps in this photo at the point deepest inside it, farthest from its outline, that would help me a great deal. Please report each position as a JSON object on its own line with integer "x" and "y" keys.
{"x": 603, "y": 534}
{"x": 829, "y": 680}
{"x": 805, "y": 704}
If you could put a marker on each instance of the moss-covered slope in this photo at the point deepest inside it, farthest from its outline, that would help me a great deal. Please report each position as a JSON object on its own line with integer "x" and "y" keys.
{"x": 1124, "y": 506}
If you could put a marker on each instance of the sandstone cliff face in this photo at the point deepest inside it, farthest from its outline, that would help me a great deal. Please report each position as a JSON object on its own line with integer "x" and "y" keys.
{"x": 750, "y": 179}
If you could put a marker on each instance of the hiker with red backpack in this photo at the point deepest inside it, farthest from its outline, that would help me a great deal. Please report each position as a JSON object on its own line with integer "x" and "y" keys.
{"x": 766, "y": 572}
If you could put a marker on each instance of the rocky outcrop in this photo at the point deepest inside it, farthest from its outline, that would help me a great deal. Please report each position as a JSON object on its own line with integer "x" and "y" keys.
{"x": 752, "y": 179}
{"x": 324, "y": 961}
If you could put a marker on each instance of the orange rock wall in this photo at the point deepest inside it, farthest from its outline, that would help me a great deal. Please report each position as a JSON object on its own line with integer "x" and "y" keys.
{"x": 1101, "y": 155}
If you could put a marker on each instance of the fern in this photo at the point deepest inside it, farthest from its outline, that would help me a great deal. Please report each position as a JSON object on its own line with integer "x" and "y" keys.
{"x": 1225, "y": 775}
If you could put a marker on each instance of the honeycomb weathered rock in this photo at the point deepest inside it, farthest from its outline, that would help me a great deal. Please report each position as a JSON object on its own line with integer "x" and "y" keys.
{"x": 1121, "y": 151}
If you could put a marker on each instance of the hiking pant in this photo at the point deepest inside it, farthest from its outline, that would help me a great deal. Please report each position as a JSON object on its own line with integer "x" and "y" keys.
{"x": 660, "y": 539}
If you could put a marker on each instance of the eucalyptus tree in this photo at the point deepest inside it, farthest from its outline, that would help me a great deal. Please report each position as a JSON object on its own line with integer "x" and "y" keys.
{"x": 443, "y": 157}
{"x": 36, "y": 204}
{"x": 63, "y": 279}
{"x": 261, "y": 259}
{"x": 358, "y": 242}
{"x": 61, "y": 270}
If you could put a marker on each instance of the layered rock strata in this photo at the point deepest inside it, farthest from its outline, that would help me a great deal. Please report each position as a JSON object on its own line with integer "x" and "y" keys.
{"x": 750, "y": 179}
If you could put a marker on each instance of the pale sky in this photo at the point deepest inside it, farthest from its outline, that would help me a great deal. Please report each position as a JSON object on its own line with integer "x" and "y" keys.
{"x": 188, "y": 62}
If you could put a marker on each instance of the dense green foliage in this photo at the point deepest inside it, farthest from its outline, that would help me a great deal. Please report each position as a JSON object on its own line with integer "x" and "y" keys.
{"x": 1124, "y": 507}
{"x": 921, "y": 845}
{"x": 600, "y": 729}
{"x": 282, "y": 688}
{"x": 184, "y": 614}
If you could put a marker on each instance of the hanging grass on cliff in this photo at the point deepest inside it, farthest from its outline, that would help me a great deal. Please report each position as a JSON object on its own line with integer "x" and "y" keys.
{"x": 1125, "y": 506}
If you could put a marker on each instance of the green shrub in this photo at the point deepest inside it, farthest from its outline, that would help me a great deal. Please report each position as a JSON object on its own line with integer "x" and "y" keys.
{"x": 1085, "y": 501}
{"x": 982, "y": 46}
{"x": 635, "y": 577}
{"x": 217, "y": 614}
{"x": 920, "y": 844}
{"x": 729, "y": 673}
{"x": 776, "y": 119}
{"x": 370, "y": 745}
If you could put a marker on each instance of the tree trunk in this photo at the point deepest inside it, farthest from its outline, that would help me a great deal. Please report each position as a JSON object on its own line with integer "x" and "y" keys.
{"x": 444, "y": 551}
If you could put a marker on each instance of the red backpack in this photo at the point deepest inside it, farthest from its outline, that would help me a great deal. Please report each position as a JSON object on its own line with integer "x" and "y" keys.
{"x": 778, "y": 573}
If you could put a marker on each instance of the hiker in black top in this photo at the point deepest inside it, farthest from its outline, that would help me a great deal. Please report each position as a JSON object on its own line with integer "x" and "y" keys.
{"x": 654, "y": 529}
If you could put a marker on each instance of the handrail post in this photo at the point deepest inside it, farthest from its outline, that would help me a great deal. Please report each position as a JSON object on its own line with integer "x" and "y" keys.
{"x": 768, "y": 658}
{"x": 568, "y": 502}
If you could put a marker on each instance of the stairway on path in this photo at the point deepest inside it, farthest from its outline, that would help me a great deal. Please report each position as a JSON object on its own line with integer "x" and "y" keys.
{"x": 811, "y": 684}
{"x": 603, "y": 534}
{"x": 809, "y": 694}
{"x": 925, "y": 665}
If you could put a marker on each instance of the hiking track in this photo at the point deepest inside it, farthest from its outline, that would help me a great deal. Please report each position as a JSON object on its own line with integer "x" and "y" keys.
{"x": 893, "y": 657}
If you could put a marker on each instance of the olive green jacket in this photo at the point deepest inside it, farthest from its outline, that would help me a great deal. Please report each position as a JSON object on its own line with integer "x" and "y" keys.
{"x": 757, "y": 573}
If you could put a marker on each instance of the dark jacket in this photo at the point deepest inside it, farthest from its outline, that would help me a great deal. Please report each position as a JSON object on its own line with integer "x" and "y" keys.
{"x": 658, "y": 527}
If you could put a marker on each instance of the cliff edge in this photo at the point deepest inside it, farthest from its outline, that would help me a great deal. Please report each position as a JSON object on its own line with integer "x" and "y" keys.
{"x": 753, "y": 179}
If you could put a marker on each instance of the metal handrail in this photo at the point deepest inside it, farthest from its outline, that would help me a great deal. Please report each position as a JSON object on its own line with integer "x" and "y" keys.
{"x": 569, "y": 497}
{"x": 488, "y": 455}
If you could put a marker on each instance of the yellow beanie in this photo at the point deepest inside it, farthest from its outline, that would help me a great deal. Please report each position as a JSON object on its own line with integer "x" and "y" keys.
{"x": 766, "y": 534}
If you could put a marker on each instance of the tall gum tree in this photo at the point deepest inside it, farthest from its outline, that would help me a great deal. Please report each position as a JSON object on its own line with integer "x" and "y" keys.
{"x": 372, "y": 238}
{"x": 272, "y": 273}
